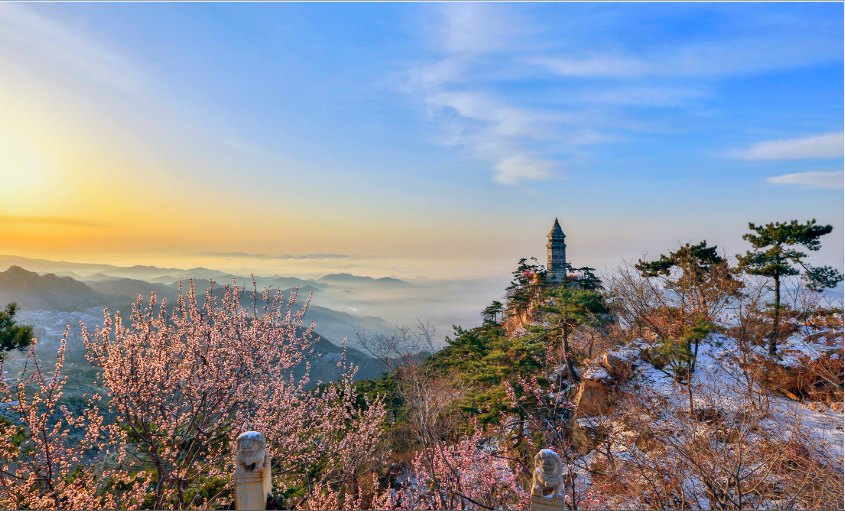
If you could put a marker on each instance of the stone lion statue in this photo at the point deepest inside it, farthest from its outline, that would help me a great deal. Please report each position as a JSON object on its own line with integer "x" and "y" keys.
{"x": 548, "y": 474}
{"x": 252, "y": 452}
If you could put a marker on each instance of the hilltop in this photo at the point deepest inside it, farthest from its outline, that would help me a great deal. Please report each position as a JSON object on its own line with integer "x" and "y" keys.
{"x": 629, "y": 388}
{"x": 33, "y": 291}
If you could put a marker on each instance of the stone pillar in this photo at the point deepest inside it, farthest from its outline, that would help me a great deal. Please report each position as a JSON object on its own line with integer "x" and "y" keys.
{"x": 252, "y": 472}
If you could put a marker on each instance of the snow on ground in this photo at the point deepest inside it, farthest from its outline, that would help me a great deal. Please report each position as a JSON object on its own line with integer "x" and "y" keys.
{"x": 719, "y": 382}
{"x": 804, "y": 346}
{"x": 595, "y": 372}
{"x": 825, "y": 424}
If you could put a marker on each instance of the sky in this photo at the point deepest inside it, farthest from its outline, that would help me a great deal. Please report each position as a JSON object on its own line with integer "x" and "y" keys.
{"x": 436, "y": 140}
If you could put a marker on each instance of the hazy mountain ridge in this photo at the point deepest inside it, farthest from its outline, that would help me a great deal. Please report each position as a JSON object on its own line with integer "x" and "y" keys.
{"x": 33, "y": 291}
{"x": 46, "y": 265}
{"x": 441, "y": 303}
{"x": 53, "y": 303}
{"x": 50, "y": 324}
{"x": 49, "y": 292}
{"x": 131, "y": 288}
{"x": 155, "y": 274}
{"x": 348, "y": 278}
{"x": 375, "y": 305}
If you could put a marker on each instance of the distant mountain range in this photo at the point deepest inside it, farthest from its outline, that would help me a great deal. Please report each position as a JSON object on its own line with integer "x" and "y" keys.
{"x": 141, "y": 272}
{"x": 51, "y": 266}
{"x": 55, "y": 293}
{"x": 348, "y": 278}
{"x": 325, "y": 366}
{"x": 62, "y": 293}
{"x": 76, "y": 276}
{"x": 131, "y": 288}
{"x": 154, "y": 274}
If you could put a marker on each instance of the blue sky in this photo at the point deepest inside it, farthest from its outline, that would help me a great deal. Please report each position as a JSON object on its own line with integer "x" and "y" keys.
{"x": 439, "y": 131}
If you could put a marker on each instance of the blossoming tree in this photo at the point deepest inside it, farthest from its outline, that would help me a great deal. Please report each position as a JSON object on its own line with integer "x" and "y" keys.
{"x": 44, "y": 448}
{"x": 182, "y": 385}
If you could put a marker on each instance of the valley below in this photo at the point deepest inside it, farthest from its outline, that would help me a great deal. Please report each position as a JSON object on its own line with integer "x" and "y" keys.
{"x": 54, "y": 296}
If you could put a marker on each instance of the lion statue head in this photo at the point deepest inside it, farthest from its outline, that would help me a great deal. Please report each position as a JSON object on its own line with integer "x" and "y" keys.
{"x": 252, "y": 451}
{"x": 548, "y": 474}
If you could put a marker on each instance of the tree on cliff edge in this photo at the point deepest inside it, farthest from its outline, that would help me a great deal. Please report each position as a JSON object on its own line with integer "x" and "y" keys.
{"x": 773, "y": 257}
{"x": 569, "y": 308}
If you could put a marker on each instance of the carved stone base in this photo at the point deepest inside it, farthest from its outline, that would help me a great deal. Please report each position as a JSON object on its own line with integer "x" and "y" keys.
{"x": 251, "y": 489}
{"x": 555, "y": 503}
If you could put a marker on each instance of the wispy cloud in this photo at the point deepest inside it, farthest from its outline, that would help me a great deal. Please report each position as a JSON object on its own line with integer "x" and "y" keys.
{"x": 586, "y": 85}
{"x": 247, "y": 255}
{"x": 516, "y": 168}
{"x": 468, "y": 28}
{"x": 49, "y": 220}
{"x": 835, "y": 179}
{"x": 493, "y": 130}
{"x": 646, "y": 96}
{"x": 24, "y": 27}
{"x": 597, "y": 66}
{"x": 735, "y": 56}
{"x": 502, "y": 119}
{"x": 829, "y": 145}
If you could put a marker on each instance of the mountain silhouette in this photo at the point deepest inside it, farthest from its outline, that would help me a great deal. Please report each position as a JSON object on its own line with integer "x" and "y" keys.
{"x": 33, "y": 291}
{"x": 348, "y": 278}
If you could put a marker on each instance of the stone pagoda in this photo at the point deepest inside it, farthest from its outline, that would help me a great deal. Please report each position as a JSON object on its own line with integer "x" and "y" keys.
{"x": 556, "y": 266}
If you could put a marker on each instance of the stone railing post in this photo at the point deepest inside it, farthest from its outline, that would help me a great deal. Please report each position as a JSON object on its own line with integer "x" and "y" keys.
{"x": 252, "y": 472}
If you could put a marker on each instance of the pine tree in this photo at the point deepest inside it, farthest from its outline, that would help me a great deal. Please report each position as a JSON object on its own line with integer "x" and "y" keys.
{"x": 702, "y": 284}
{"x": 774, "y": 257}
{"x": 568, "y": 308}
{"x": 694, "y": 260}
{"x": 523, "y": 285}
{"x": 13, "y": 336}
{"x": 492, "y": 311}
{"x": 587, "y": 278}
